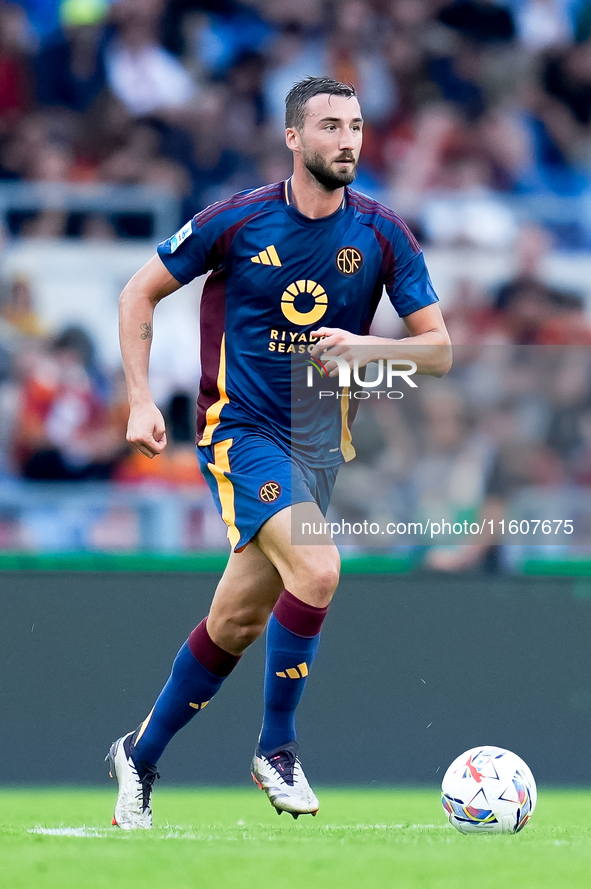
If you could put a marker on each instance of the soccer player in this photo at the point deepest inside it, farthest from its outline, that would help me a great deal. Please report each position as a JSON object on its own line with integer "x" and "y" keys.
{"x": 281, "y": 259}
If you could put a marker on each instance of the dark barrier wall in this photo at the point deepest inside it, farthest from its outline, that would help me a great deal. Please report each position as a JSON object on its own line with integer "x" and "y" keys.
{"x": 411, "y": 672}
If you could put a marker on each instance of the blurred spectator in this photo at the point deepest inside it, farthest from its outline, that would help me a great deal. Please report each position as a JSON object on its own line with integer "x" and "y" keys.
{"x": 18, "y": 310}
{"x": 140, "y": 161}
{"x": 216, "y": 165}
{"x": 561, "y": 117}
{"x": 52, "y": 163}
{"x": 70, "y": 66}
{"x": 450, "y": 473}
{"x": 568, "y": 324}
{"x": 521, "y": 309}
{"x": 66, "y": 430}
{"x": 528, "y": 310}
{"x": 541, "y": 24}
{"x": 479, "y": 20}
{"x": 293, "y": 55}
{"x": 217, "y": 33}
{"x": 352, "y": 58}
{"x": 43, "y": 15}
{"x": 20, "y": 150}
{"x": 525, "y": 310}
{"x": 16, "y": 76}
{"x": 449, "y": 478}
{"x": 141, "y": 73}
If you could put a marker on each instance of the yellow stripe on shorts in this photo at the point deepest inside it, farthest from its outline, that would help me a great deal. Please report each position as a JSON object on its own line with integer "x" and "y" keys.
{"x": 225, "y": 487}
{"x": 347, "y": 449}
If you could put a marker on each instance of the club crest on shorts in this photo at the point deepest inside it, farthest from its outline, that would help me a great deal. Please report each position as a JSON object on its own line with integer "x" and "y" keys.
{"x": 349, "y": 260}
{"x": 269, "y": 492}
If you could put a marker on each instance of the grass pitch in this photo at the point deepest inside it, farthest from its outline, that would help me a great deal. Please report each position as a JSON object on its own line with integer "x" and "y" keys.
{"x": 213, "y": 839}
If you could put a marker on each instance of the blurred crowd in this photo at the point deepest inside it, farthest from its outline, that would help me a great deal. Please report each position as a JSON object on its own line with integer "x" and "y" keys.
{"x": 65, "y": 415}
{"x": 512, "y": 420}
{"x": 525, "y": 309}
{"x": 469, "y": 97}
{"x": 506, "y": 435}
{"x": 468, "y": 105}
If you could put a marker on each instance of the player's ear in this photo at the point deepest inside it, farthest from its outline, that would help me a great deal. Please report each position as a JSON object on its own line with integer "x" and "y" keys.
{"x": 292, "y": 139}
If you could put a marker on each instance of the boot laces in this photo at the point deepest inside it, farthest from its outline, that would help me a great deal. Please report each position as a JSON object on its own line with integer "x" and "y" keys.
{"x": 284, "y": 762}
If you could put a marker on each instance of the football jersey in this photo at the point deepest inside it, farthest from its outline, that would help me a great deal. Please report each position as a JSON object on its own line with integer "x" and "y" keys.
{"x": 276, "y": 275}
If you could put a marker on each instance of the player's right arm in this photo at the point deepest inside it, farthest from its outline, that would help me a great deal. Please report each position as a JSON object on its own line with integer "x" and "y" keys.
{"x": 198, "y": 247}
{"x": 140, "y": 296}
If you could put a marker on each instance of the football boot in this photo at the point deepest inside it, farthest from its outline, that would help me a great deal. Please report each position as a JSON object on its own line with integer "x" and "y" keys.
{"x": 133, "y": 809}
{"x": 281, "y": 776}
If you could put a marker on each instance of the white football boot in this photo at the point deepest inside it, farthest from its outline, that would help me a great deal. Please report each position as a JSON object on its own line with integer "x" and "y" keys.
{"x": 133, "y": 809}
{"x": 281, "y": 776}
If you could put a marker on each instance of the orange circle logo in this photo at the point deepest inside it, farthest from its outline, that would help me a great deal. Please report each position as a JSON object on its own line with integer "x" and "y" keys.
{"x": 349, "y": 260}
{"x": 288, "y": 299}
{"x": 269, "y": 492}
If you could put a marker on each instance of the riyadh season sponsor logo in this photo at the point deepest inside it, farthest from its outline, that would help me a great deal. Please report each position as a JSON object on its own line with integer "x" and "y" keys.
{"x": 388, "y": 373}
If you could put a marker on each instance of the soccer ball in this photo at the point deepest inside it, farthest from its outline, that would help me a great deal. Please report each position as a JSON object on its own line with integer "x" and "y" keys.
{"x": 488, "y": 790}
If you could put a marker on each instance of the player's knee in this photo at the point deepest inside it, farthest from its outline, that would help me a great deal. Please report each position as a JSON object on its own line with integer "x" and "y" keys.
{"x": 246, "y": 635}
{"x": 244, "y": 630}
{"x": 319, "y": 581}
{"x": 326, "y": 580}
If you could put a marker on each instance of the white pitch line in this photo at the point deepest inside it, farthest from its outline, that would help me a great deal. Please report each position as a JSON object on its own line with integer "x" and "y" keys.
{"x": 70, "y": 831}
{"x": 180, "y": 834}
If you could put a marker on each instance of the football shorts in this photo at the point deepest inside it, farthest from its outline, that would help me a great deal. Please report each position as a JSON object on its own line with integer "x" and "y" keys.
{"x": 252, "y": 477}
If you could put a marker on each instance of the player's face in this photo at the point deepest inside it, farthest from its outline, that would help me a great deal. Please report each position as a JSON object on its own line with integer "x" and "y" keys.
{"x": 330, "y": 141}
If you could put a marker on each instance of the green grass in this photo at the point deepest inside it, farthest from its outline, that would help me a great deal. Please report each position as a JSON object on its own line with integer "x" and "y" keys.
{"x": 221, "y": 839}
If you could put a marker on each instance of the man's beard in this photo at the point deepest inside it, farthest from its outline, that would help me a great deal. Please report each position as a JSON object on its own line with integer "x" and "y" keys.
{"x": 327, "y": 177}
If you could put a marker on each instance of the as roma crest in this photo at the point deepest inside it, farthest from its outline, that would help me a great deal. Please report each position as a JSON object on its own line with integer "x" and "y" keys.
{"x": 269, "y": 492}
{"x": 349, "y": 260}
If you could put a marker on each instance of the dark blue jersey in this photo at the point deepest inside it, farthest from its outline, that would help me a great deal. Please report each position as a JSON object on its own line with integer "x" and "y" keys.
{"x": 277, "y": 275}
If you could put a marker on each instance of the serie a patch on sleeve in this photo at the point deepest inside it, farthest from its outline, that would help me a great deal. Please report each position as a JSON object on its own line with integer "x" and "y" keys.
{"x": 181, "y": 235}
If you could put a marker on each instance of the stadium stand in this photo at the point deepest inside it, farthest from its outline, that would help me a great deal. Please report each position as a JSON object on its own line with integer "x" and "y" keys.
{"x": 119, "y": 120}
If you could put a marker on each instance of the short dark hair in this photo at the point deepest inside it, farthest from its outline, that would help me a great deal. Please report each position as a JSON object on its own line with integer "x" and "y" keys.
{"x": 295, "y": 101}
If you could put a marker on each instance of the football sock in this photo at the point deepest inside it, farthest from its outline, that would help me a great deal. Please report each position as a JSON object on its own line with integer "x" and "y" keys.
{"x": 293, "y": 634}
{"x": 198, "y": 671}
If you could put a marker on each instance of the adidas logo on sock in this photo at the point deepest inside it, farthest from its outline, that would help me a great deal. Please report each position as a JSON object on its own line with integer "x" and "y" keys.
{"x": 298, "y": 672}
{"x": 268, "y": 256}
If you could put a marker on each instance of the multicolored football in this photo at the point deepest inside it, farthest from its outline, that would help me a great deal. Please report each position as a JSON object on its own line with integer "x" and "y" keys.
{"x": 488, "y": 790}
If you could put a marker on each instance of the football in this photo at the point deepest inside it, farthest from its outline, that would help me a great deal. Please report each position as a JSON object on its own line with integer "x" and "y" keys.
{"x": 488, "y": 790}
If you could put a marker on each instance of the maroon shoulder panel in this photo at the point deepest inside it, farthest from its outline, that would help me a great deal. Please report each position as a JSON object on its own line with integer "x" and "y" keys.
{"x": 213, "y": 325}
{"x": 367, "y": 205}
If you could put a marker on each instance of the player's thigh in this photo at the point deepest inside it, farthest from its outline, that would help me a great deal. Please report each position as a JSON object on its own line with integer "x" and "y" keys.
{"x": 309, "y": 571}
{"x": 245, "y": 595}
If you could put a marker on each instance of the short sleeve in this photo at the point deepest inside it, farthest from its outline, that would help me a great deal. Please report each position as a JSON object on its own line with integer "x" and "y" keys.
{"x": 186, "y": 254}
{"x": 410, "y": 287}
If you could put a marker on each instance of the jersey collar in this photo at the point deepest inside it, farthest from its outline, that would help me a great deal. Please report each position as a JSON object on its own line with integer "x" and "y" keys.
{"x": 322, "y": 221}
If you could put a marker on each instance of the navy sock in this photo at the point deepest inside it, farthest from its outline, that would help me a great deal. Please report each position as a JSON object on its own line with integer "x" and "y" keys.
{"x": 198, "y": 671}
{"x": 293, "y": 635}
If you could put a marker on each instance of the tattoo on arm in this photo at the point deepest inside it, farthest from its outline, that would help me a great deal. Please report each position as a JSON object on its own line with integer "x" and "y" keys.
{"x": 146, "y": 331}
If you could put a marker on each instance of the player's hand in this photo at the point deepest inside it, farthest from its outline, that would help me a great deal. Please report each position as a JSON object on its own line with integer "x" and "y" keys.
{"x": 334, "y": 342}
{"x": 146, "y": 431}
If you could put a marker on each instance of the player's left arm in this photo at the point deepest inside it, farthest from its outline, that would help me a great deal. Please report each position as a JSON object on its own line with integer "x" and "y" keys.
{"x": 428, "y": 345}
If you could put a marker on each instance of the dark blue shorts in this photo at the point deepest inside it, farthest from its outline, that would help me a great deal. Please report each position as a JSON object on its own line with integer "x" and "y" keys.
{"x": 252, "y": 477}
